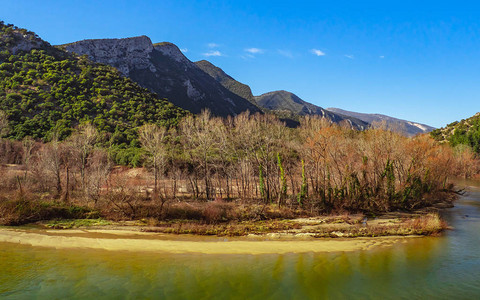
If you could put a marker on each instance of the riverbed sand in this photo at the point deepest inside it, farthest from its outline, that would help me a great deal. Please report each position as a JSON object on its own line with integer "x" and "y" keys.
{"x": 116, "y": 240}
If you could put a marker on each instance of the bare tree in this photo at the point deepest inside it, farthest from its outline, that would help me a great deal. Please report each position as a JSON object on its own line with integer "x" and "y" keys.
{"x": 98, "y": 170}
{"x": 3, "y": 131}
{"x": 28, "y": 144}
{"x": 82, "y": 145}
{"x": 153, "y": 140}
{"x": 200, "y": 136}
{"x": 48, "y": 169}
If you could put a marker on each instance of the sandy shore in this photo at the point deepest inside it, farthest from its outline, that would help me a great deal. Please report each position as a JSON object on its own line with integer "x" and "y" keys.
{"x": 122, "y": 240}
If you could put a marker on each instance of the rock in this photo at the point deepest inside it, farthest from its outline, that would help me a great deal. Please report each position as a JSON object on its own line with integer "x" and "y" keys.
{"x": 123, "y": 54}
{"x": 163, "y": 69}
{"x": 23, "y": 41}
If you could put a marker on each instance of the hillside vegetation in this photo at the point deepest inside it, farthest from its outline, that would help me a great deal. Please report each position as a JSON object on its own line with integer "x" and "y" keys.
{"x": 464, "y": 132}
{"x": 227, "y": 81}
{"x": 45, "y": 91}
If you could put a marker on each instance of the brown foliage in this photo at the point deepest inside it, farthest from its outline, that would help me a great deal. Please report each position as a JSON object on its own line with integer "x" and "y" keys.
{"x": 236, "y": 159}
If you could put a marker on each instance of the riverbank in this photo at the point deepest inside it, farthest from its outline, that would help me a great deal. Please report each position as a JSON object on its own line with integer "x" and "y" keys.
{"x": 334, "y": 226}
{"x": 315, "y": 234}
{"x": 438, "y": 267}
{"x": 129, "y": 240}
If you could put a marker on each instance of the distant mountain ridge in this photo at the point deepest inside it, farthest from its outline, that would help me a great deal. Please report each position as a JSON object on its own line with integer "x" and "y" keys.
{"x": 61, "y": 90}
{"x": 289, "y": 103}
{"x": 226, "y": 80}
{"x": 408, "y": 127}
{"x": 283, "y": 100}
{"x": 286, "y": 105}
{"x": 163, "y": 69}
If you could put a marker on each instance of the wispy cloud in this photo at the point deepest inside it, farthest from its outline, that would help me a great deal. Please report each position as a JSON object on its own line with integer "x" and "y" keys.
{"x": 317, "y": 52}
{"x": 213, "y": 53}
{"x": 286, "y": 53}
{"x": 184, "y": 50}
{"x": 349, "y": 56}
{"x": 255, "y": 50}
{"x": 212, "y": 45}
{"x": 247, "y": 56}
{"x": 382, "y": 56}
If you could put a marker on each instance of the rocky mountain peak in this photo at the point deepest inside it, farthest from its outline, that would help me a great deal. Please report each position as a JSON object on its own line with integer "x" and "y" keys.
{"x": 172, "y": 51}
{"x": 226, "y": 80}
{"x": 212, "y": 70}
{"x": 16, "y": 39}
{"x": 288, "y": 101}
{"x": 124, "y": 54}
{"x": 163, "y": 69}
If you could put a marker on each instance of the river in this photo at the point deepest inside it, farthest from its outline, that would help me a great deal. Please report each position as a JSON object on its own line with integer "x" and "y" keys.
{"x": 443, "y": 267}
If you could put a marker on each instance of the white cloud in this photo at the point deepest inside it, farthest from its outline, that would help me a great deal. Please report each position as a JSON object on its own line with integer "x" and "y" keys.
{"x": 247, "y": 56}
{"x": 382, "y": 56}
{"x": 212, "y": 45}
{"x": 213, "y": 53}
{"x": 285, "y": 53}
{"x": 255, "y": 50}
{"x": 184, "y": 50}
{"x": 349, "y": 56}
{"x": 317, "y": 52}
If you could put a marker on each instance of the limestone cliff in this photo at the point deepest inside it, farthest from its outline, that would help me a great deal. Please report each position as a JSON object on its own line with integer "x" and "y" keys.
{"x": 163, "y": 69}
{"x": 123, "y": 54}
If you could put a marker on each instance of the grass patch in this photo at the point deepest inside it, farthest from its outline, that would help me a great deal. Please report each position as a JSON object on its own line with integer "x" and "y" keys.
{"x": 76, "y": 223}
{"x": 228, "y": 229}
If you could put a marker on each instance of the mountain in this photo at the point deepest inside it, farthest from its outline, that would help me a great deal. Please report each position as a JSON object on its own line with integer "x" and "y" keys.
{"x": 228, "y": 82}
{"x": 283, "y": 100}
{"x": 407, "y": 127}
{"x": 15, "y": 40}
{"x": 162, "y": 68}
{"x": 464, "y": 132}
{"x": 289, "y": 104}
{"x": 45, "y": 90}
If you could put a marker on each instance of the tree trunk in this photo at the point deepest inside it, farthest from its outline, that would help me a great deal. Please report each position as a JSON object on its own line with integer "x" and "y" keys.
{"x": 67, "y": 182}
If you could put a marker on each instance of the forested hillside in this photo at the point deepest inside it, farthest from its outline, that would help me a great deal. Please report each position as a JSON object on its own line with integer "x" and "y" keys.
{"x": 46, "y": 91}
{"x": 464, "y": 132}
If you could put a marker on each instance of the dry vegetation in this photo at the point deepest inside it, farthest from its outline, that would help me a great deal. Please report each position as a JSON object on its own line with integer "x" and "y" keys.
{"x": 427, "y": 224}
{"x": 217, "y": 173}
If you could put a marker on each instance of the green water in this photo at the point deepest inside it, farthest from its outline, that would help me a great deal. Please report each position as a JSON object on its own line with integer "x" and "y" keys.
{"x": 427, "y": 268}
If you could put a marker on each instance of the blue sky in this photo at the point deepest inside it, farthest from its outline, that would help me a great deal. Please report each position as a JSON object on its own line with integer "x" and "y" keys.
{"x": 416, "y": 60}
